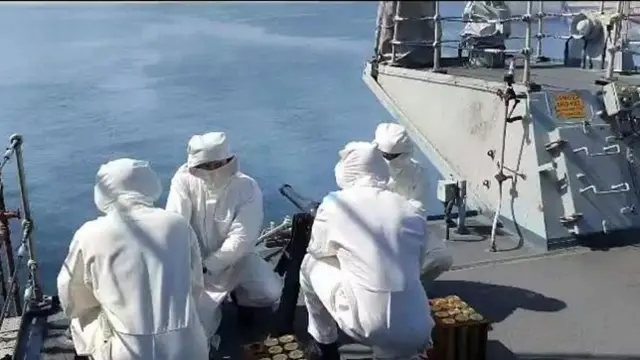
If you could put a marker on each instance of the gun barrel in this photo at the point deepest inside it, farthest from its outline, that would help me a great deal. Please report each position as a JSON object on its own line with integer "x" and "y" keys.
{"x": 303, "y": 204}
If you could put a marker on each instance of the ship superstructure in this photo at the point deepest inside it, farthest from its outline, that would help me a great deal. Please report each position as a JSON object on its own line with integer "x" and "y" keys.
{"x": 547, "y": 143}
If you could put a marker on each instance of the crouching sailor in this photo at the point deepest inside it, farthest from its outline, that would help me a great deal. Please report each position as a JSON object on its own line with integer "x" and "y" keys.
{"x": 131, "y": 277}
{"x": 362, "y": 270}
{"x": 408, "y": 179}
{"x": 224, "y": 207}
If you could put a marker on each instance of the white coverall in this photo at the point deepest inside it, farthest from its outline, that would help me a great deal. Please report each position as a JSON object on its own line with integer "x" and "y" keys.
{"x": 224, "y": 207}
{"x": 408, "y": 178}
{"x": 363, "y": 263}
{"x": 130, "y": 279}
{"x": 486, "y": 10}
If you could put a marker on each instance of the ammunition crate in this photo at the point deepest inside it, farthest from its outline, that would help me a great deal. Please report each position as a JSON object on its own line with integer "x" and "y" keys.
{"x": 460, "y": 332}
{"x": 286, "y": 347}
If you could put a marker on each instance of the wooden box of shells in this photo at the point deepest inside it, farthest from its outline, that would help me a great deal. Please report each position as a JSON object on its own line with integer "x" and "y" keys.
{"x": 285, "y": 347}
{"x": 460, "y": 332}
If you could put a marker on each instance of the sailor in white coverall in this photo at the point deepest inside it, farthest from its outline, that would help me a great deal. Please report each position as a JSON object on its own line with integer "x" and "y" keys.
{"x": 408, "y": 178}
{"x": 363, "y": 264}
{"x": 131, "y": 277}
{"x": 224, "y": 207}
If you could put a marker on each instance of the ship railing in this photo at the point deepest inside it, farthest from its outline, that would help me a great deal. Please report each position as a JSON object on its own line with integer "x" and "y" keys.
{"x": 26, "y": 252}
{"x": 621, "y": 14}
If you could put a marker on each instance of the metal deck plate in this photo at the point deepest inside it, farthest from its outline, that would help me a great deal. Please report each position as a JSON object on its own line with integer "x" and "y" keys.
{"x": 472, "y": 249}
{"x": 580, "y": 305}
{"x": 8, "y": 335}
{"x": 598, "y": 177}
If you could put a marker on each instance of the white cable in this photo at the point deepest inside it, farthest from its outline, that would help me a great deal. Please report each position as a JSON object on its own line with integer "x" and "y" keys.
{"x": 494, "y": 226}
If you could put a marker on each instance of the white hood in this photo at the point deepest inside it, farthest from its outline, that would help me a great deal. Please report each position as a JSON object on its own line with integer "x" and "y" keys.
{"x": 211, "y": 146}
{"x": 124, "y": 183}
{"x": 392, "y": 138}
{"x": 361, "y": 164}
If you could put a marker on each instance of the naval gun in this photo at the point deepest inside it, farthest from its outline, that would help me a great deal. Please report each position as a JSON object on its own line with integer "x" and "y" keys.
{"x": 564, "y": 154}
{"x": 302, "y": 203}
{"x": 290, "y": 262}
{"x": 290, "y": 240}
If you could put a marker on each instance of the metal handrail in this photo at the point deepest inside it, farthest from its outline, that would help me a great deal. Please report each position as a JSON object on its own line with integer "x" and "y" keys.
{"x": 395, "y": 33}
{"x": 526, "y": 73}
{"x": 616, "y": 36}
{"x": 527, "y": 18}
{"x": 33, "y": 294}
{"x": 9, "y": 152}
{"x": 438, "y": 39}
{"x": 539, "y": 37}
{"x": 27, "y": 225}
{"x": 513, "y": 18}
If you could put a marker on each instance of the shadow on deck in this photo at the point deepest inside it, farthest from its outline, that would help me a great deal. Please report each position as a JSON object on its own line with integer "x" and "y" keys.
{"x": 494, "y": 301}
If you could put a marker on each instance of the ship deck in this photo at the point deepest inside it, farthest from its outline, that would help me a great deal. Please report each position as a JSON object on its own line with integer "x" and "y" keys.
{"x": 567, "y": 304}
{"x": 550, "y": 75}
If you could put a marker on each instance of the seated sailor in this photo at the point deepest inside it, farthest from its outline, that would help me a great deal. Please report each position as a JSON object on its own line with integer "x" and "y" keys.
{"x": 131, "y": 277}
{"x": 224, "y": 207}
{"x": 408, "y": 179}
{"x": 362, "y": 270}
{"x": 485, "y": 31}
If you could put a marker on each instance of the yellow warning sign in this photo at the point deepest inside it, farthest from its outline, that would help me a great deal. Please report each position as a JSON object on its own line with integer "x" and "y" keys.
{"x": 570, "y": 106}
